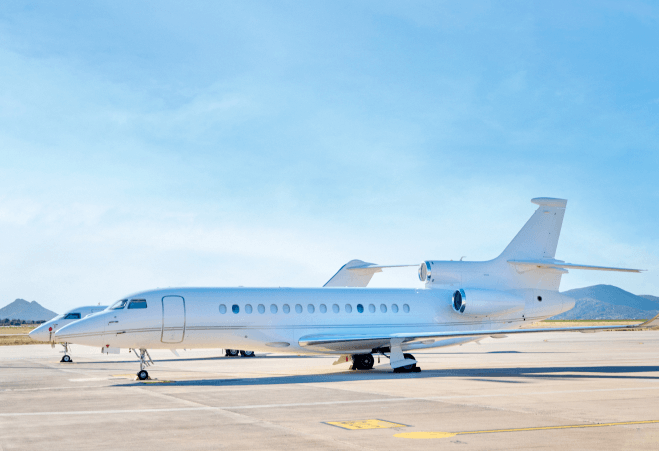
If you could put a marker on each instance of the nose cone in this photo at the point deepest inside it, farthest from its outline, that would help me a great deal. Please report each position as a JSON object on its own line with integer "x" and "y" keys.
{"x": 87, "y": 331}
{"x": 41, "y": 333}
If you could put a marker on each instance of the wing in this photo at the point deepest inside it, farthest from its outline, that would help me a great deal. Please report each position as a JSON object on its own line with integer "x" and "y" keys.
{"x": 357, "y": 273}
{"x": 361, "y": 342}
{"x": 527, "y": 265}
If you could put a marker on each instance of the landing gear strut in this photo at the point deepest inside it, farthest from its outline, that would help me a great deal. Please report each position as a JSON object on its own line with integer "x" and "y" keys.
{"x": 362, "y": 362}
{"x": 66, "y": 358}
{"x": 145, "y": 360}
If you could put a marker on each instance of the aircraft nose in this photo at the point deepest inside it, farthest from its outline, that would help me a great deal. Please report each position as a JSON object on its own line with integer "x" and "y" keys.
{"x": 41, "y": 333}
{"x": 84, "y": 331}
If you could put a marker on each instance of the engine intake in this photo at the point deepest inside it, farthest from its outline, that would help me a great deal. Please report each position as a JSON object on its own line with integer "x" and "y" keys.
{"x": 459, "y": 301}
{"x": 425, "y": 273}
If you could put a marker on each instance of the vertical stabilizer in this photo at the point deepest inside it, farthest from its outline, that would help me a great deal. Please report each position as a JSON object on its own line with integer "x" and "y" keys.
{"x": 539, "y": 236}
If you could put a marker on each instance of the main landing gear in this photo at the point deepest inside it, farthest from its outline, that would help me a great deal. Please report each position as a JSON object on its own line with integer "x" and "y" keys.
{"x": 235, "y": 352}
{"x": 66, "y": 358}
{"x": 362, "y": 362}
{"x": 411, "y": 368}
{"x": 145, "y": 360}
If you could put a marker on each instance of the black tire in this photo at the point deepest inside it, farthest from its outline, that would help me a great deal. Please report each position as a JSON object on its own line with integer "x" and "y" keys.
{"x": 66, "y": 359}
{"x": 407, "y": 368}
{"x": 247, "y": 353}
{"x": 362, "y": 362}
{"x": 232, "y": 352}
{"x": 142, "y": 375}
{"x": 367, "y": 362}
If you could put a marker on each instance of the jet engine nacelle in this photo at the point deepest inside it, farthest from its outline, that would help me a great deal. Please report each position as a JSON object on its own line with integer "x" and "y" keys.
{"x": 475, "y": 302}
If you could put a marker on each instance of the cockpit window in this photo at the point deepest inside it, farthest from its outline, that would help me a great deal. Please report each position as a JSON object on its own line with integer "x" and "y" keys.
{"x": 137, "y": 303}
{"x": 119, "y": 304}
{"x": 72, "y": 316}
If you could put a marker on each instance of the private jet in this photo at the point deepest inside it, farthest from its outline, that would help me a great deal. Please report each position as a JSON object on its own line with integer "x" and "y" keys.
{"x": 462, "y": 301}
{"x": 46, "y": 331}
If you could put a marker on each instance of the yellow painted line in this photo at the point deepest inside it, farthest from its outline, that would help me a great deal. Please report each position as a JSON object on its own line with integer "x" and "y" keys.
{"x": 365, "y": 424}
{"x": 439, "y": 434}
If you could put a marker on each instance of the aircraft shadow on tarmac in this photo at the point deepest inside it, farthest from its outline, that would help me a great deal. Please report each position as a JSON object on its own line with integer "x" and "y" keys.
{"x": 482, "y": 374}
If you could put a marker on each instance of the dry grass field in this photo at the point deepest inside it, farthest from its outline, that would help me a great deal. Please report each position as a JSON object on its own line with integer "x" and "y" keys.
{"x": 17, "y": 335}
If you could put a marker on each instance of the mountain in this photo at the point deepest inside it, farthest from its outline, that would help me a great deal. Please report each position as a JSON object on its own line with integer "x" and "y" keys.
{"x": 609, "y": 302}
{"x": 28, "y": 311}
{"x": 652, "y": 298}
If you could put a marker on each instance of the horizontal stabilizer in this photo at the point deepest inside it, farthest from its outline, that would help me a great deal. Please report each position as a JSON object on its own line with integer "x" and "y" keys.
{"x": 362, "y": 342}
{"x": 357, "y": 273}
{"x": 554, "y": 264}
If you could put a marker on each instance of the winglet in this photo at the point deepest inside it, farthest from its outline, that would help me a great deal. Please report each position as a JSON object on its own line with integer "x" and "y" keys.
{"x": 357, "y": 273}
{"x": 651, "y": 322}
{"x": 346, "y": 278}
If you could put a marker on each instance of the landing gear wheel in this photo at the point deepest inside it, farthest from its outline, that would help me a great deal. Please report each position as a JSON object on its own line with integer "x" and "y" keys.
{"x": 231, "y": 353}
{"x": 362, "y": 362}
{"x": 408, "y": 368}
{"x": 142, "y": 375}
{"x": 247, "y": 353}
{"x": 66, "y": 359}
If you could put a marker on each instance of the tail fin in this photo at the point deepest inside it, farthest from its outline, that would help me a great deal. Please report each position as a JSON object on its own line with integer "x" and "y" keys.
{"x": 539, "y": 236}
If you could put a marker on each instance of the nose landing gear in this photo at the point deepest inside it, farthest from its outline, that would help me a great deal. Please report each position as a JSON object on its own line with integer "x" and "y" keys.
{"x": 145, "y": 360}
{"x": 66, "y": 358}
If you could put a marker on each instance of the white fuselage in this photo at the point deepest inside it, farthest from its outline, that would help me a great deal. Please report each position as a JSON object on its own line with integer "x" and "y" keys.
{"x": 274, "y": 319}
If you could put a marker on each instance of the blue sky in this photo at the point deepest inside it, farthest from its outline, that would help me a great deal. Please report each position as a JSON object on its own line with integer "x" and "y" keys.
{"x": 267, "y": 143}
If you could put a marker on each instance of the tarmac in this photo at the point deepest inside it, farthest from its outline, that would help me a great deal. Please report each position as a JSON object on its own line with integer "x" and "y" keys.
{"x": 596, "y": 391}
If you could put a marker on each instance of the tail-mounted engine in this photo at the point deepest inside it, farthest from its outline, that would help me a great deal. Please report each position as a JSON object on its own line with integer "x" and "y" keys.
{"x": 475, "y": 302}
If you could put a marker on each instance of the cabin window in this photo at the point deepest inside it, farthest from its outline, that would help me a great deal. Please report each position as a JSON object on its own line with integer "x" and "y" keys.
{"x": 371, "y": 308}
{"x": 383, "y": 308}
{"x": 223, "y": 309}
{"x": 406, "y": 308}
{"x": 323, "y": 308}
{"x": 137, "y": 303}
{"x": 286, "y": 308}
{"x": 394, "y": 308}
{"x": 335, "y": 308}
{"x": 73, "y": 316}
{"x": 298, "y": 308}
{"x": 348, "y": 308}
{"x": 119, "y": 304}
{"x": 360, "y": 308}
{"x": 261, "y": 308}
{"x": 248, "y": 308}
{"x": 273, "y": 308}
{"x": 235, "y": 308}
{"x": 311, "y": 308}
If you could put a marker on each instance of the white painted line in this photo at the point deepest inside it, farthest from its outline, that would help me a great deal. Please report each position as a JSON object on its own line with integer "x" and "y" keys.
{"x": 305, "y": 404}
{"x": 89, "y": 379}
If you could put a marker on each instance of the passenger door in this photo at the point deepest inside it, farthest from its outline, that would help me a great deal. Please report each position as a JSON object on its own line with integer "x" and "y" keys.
{"x": 173, "y": 319}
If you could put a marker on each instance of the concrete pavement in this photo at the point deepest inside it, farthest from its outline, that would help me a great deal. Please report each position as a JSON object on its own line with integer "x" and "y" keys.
{"x": 543, "y": 391}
